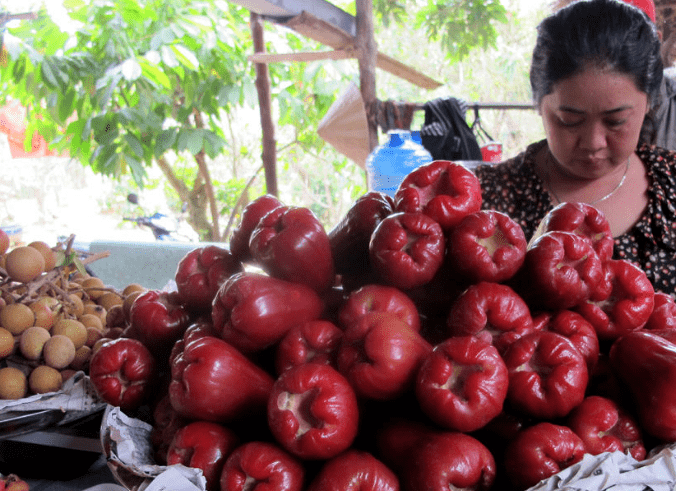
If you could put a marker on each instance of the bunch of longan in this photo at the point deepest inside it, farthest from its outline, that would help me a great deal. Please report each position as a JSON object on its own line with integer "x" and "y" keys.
{"x": 51, "y": 319}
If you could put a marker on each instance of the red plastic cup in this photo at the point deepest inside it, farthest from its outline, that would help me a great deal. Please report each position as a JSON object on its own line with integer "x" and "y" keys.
{"x": 491, "y": 152}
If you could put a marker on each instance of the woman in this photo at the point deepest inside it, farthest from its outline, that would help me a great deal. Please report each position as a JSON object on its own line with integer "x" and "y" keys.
{"x": 595, "y": 75}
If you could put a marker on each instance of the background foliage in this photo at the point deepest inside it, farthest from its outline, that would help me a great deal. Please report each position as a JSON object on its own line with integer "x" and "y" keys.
{"x": 146, "y": 84}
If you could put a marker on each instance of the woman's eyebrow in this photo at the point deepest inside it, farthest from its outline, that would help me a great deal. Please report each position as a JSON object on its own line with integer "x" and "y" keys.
{"x": 573, "y": 110}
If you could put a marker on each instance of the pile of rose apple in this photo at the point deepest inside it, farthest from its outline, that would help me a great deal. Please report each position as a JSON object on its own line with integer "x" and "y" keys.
{"x": 420, "y": 344}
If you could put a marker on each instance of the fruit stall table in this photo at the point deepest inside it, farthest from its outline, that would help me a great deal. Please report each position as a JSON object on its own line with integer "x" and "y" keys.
{"x": 53, "y": 457}
{"x": 96, "y": 478}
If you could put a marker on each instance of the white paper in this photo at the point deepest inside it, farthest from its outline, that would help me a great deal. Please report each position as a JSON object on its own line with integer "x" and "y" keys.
{"x": 131, "y": 449}
{"x": 76, "y": 398}
{"x": 175, "y": 478}
{"x": 616, "y": 470}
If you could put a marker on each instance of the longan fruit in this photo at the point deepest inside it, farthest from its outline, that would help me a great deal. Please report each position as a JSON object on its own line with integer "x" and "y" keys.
{"x": 100, "y": 343}
{"x": 24, "y": 263}
{"x": 91, "y": 320}
{"x": 7, "y": 343}
{"x": 67, "y": 373}
{"x": 76, "y": 306}
{"x": 115, "y": 317}
{"x": 44, "y": 379}
{"x": 95, "y": 309}
{"x": 113, "y": 332}
{"x": 82, "y": 357}
{"x": 128, "y": 302}
{"x": 72, "y": 328}
{"x": 13, "y": 383}
{"x": 132, "y": 288}
{"x": 94, "y": 287}
{"x": 4, "y": 241}
{"x": 46, "y": 310}
{"x": 109, "y": 299}
{"x": 93, "y": 335}
{"x": 17, "y": 317}
{"x": 47, "y": 253}
{"x": 78, "y": 277}
{"x": 59, "y": 351}
{"x": 32, "y": 342}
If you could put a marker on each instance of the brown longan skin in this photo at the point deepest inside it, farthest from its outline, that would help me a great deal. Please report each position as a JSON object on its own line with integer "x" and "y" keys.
{"x": 16, "y": 318}
{"x": 91, "y": 320}
{"x": 47, "y": 252}
{"x": 32, "y": 342}
{"x": 133, "y": 288}
{"x": 128, "y": 302}
{"x": 46, "y": 310}
{"x": 24, "y": 264}
{"x": 75, "y": 307}
{"x": 8, "y": 343}
{"x": 109, "y": 299}
{"x": 97, "y": 310}
{"x": 58, "y": 352}
{"x": 93, "y": 287}
{"x": 13, "y": 384}
{"x": 44, "y": 379}
{"x": 72, "y": 328}
{"x": 82, "y": 357}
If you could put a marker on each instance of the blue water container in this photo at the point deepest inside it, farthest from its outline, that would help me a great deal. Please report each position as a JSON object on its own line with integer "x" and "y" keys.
{"x": 389, "y": 163}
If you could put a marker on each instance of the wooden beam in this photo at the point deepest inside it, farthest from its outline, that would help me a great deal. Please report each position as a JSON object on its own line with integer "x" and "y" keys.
{"x": 304, "y": 56}
{"x": 367, "y": 67}
{"x": 397, "y": 68}
{"x": 334, "y": 37}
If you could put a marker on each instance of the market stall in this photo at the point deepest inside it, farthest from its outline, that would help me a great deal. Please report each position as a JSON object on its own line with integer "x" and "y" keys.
{"x": 382, "y": 365}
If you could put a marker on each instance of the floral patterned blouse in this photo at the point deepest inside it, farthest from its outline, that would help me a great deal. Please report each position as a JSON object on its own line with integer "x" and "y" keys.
{"x": 514, "y": 188}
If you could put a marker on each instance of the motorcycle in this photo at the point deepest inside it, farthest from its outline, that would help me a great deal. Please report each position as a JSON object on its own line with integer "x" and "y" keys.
{"x": 162, "y": 226}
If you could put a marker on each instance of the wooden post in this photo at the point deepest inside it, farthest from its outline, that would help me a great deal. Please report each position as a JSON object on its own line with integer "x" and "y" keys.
{"x": 269, "y": 155}
{"x": 368, "y": 51}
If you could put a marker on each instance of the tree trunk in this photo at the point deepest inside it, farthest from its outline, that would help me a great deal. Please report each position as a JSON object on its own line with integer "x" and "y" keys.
{"x": 269, "y": 155}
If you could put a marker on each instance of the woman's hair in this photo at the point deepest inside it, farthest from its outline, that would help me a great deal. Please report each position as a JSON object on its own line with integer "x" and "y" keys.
{"x": 606, "y": 34}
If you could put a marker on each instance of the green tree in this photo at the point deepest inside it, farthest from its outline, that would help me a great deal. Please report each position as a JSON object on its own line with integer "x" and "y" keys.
{"x": 165, "y": 82}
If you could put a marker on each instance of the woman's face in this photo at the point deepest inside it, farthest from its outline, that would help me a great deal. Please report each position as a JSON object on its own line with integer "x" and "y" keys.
{"x": 592, "y": 121}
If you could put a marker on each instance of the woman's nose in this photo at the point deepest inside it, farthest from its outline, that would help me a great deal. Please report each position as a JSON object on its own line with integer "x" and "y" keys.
{"x": 593, "y": 136}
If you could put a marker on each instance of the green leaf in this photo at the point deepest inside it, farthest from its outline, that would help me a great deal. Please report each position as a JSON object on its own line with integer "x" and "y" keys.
{"x": 105, "y": 129}
{"x": 48, "y": 75}
{"x": 19, "y": 70}
{"x": 164, "y": 141}
{"x": 134, "y": 144}
{"x": 105, "y": 159}
{"x": 185, "y": 57}
{"x": 79, "y": 265}
{"x": 168, "y": 57}
{"x": 137, "y": 170}
{"x": 190, "y": 140}
{"x": 60, "y": 259}
{"x": 154, "y": 73}
{"x": 67, "y": 104}
{"x": 74, "y": 130}
{"x": 213, "y": 144}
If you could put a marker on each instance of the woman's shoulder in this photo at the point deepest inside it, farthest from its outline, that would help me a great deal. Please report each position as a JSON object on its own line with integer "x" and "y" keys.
{"x": 660, "y": 164}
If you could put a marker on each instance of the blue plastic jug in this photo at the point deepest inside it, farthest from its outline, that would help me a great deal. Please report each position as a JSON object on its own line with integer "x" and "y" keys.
{"x": 388, "y": 164}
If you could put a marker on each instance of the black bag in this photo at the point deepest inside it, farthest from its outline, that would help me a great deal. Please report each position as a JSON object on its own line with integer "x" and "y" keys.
{"x": 445, "y": 133}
